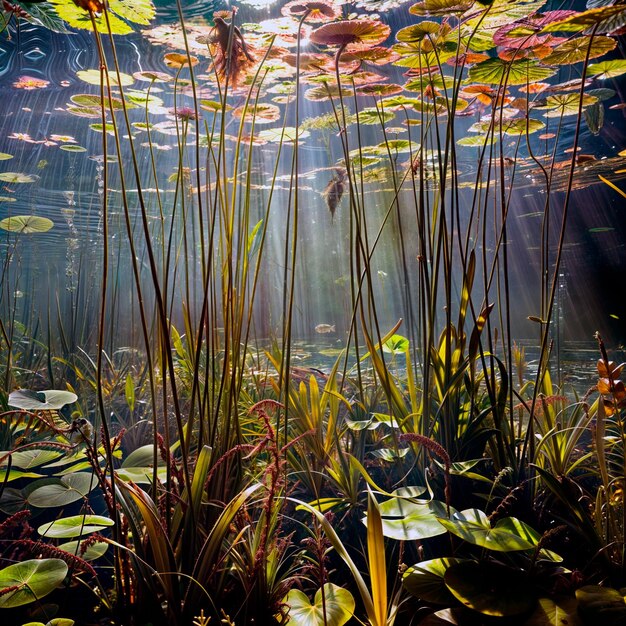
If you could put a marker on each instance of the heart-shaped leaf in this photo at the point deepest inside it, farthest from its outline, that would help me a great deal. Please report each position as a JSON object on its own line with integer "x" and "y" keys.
{"x": 30, "y": 580}
{"x": 70, "y": 488}
{"x": 332, "y": 606}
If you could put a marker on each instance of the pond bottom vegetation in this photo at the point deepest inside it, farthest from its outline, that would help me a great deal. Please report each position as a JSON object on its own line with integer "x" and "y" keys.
{"x": 167, "y": 455}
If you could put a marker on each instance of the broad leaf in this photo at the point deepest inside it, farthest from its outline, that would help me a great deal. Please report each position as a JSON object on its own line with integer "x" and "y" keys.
{"x": 32, "y": 579}
{"x": 332, "y": 607}
{"x": 75, "y": 526}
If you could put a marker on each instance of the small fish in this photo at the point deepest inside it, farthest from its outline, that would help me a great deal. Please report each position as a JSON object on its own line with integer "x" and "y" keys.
{"x": 322, "y": 329}
{"x": 334, "y": 190}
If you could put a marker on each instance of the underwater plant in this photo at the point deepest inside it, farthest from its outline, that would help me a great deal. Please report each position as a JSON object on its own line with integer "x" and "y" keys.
{"x": 289, "y": 319}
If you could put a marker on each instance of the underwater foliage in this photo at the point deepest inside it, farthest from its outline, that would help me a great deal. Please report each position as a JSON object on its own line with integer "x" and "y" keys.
{"x": 277, "y": 376}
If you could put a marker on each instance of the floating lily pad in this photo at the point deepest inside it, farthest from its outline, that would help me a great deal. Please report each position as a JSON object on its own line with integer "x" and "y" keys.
{"x": 26, "y": 224}
{"x": 75, "y": 526}
{"x": 71, "y": 147}
{"x": 17, "y": 177}
{"x": 68, "y": 489}
{"x": 92, "y": 552}
{"x": 93, "y": 77}
{"x": 565, "y": 104}
{"x": 490, "y": 588}
{"x": 32, "y": 580}
{"x": 607, "y": 69}
{"x": 576, "y": 50}
{"x": 49, "y": 400}
{"x": 4, "y": 156}
{"x": 497, "y": 71}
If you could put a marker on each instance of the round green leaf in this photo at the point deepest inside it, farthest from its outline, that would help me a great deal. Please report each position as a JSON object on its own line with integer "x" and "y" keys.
{"x": 334, "y": 608}
{"x": 93, "y": 78}
{"x": 93, "y": 552}
{"x": 607, "y": 69}
{"x": 70, "y": 488}
{"x": 32, "y": 579}
{"x": 28, "y": 459}
{"x": 49, "y": 400}
{"x": 75, "y": 526}
{"x": 425, "y": 580}
{"x": 497, "y": 71}
{"x": 17, "y": 177}
{"x": 490, "y": 588}
{"x": 576, "y": 50}
{"x": 26, "y": 224}
{"x": 71, "y": 147}
{"x": 410, "y": 521}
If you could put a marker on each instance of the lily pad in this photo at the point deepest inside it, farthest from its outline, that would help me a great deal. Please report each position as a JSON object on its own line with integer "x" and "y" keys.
{"x": 49, "y": 400}
{"x": 93, "y": 77}
{"x": 497, "y": 71}
{"x": 32, "y": 579}
{"x": 607, "y": 69}
{"x": 17, "y": 177}
{"x": 332, "y": 608}
{"x": 92, "y": 552}
{"x": 576, "y": 50}
{"x": 75, "y": 526}
{"x": 68, "y": 489}
{"x": 490, "y": 588}
{"x": 4, "y": 156}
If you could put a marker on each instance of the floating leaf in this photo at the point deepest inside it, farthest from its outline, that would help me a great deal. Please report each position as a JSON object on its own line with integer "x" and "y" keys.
{"x": 75, "y": 526}
{"x": 70, "y": 488}
{"x": 17, "y": 177}
{"x": 28, "y": 459}
{"x": 586, "y": 20}
{"x": 490, "y": 588}
{"x": 71, "y": 147}
{"x": 499, "y": 72}
{"x": 287, "y": 134}
{"x": 607, "y": 69}
{"x": 92, "y": 552}
{"x": 49, "y": 400}
{"x": 565, "y": 104}
{"x": 333, "y": 607}
{"x": 33, "y": 579}
{"x": 576, "y": 50}
{"x": 93, "y": 78}
{"x": 4, "y": 156}
{"x": 477, "y": 141}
